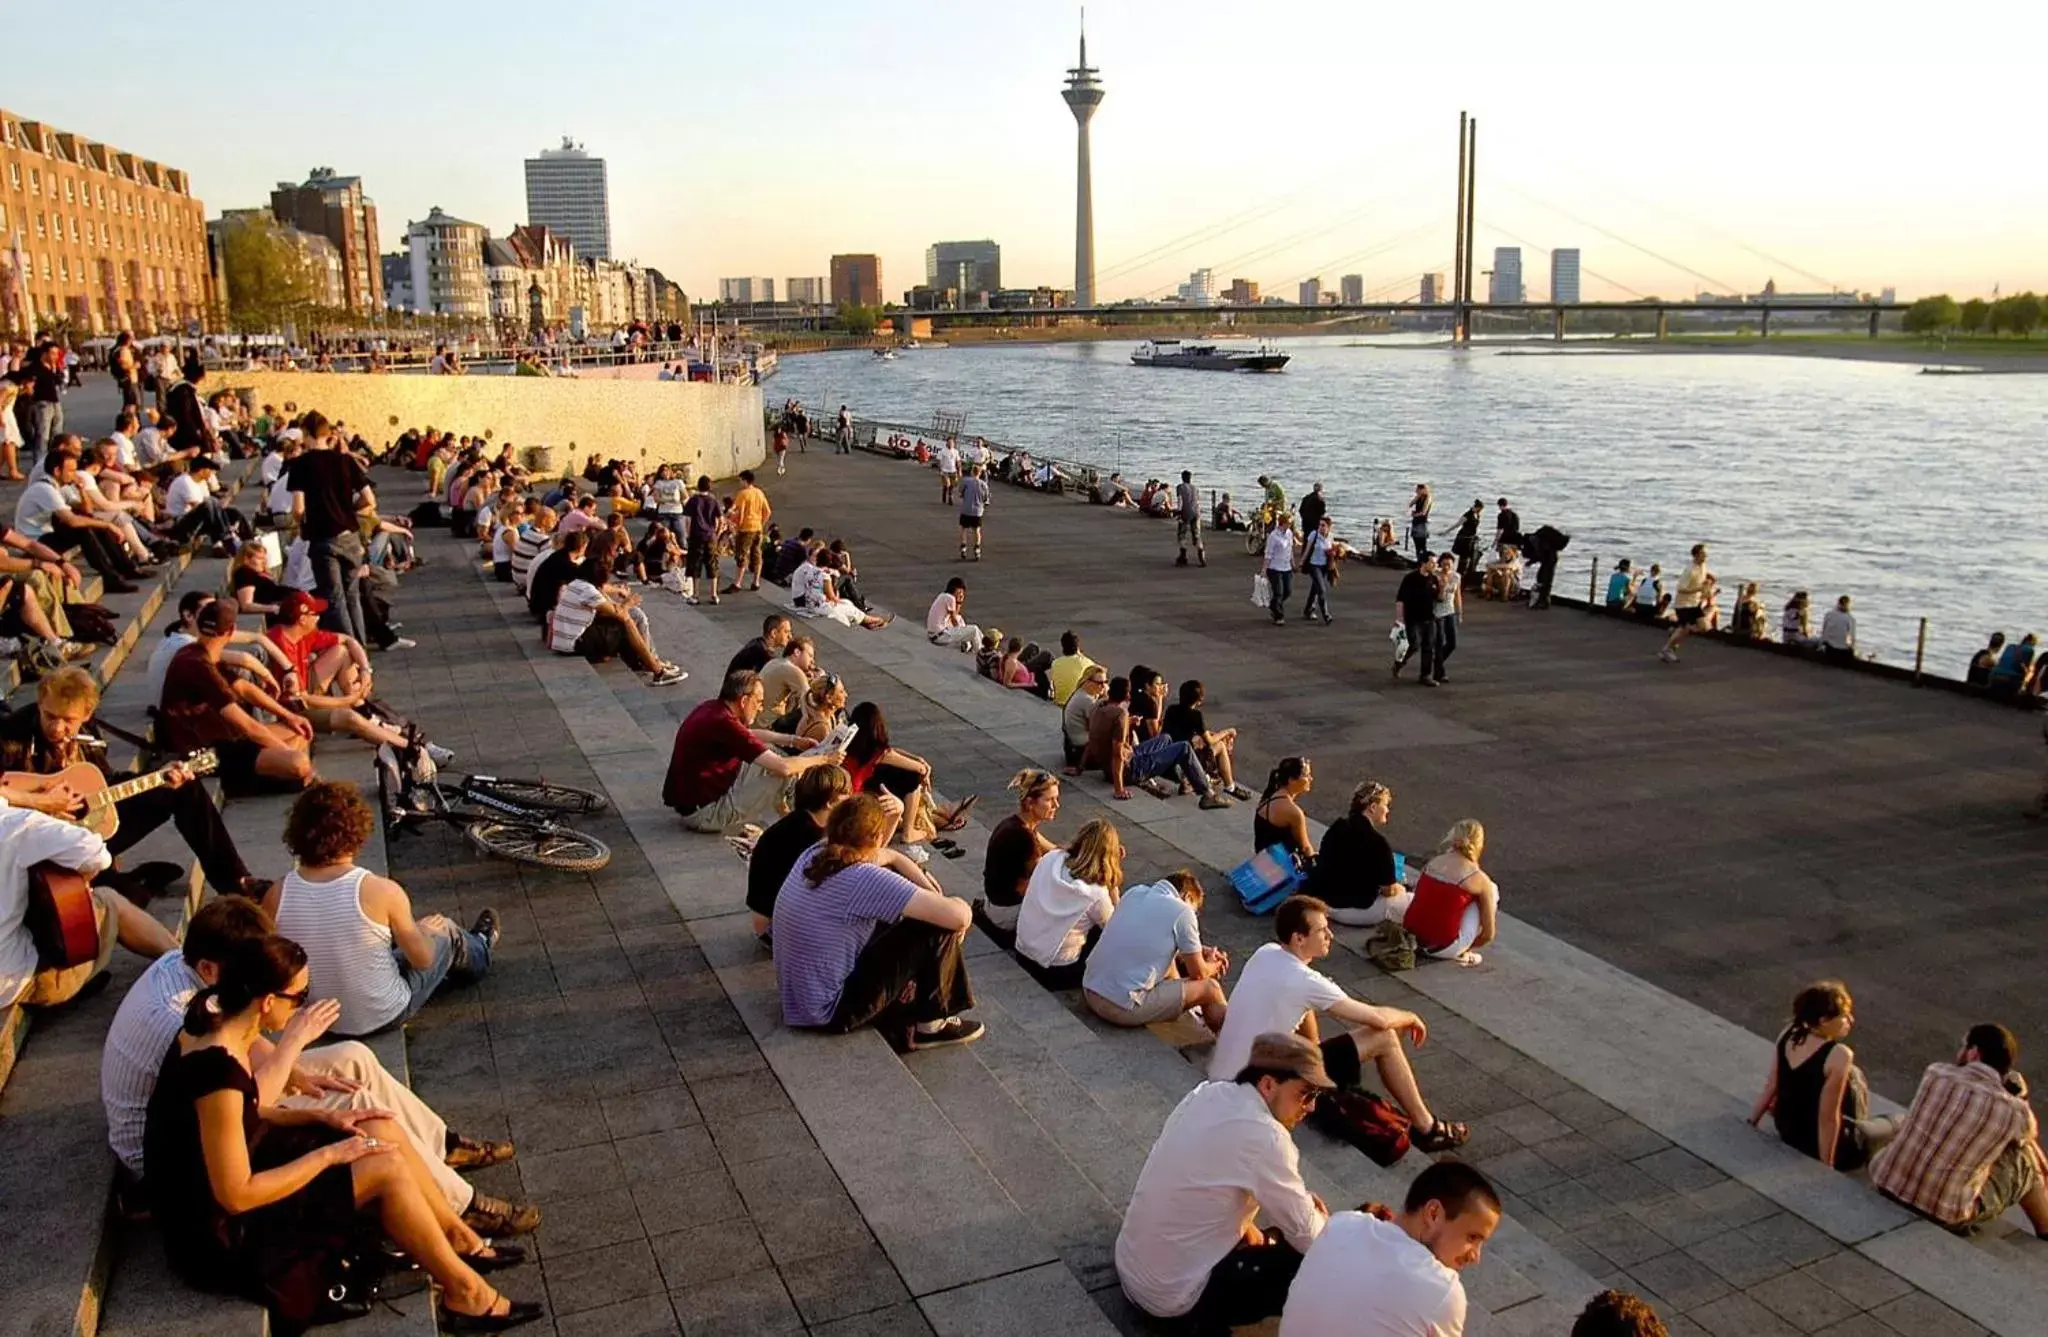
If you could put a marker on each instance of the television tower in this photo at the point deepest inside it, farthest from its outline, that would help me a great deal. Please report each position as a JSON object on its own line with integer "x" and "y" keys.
{"x": 1083, "y": 94}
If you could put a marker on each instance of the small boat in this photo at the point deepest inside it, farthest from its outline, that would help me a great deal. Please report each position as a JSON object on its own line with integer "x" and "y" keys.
{"x": 886, "y": 354}
{"x": 1208, "y": 357}
{"x": 764, "y": 363}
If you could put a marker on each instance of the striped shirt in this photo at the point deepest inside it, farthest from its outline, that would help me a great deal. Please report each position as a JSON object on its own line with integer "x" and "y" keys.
{"x": 1961, "y": 1121}
{"x": 526, "y": 550}
{"x": 574, "y": 611}
{"x": 350, "y": 958}
{"x": 820, "y": 932}
{"x": 143, "y": 1032}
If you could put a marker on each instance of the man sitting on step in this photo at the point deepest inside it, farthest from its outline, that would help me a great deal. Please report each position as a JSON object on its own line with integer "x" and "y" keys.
{"x": 1190, "y": 1243}
{"x": 1278, "y": 991}
{"x": 723, "y": 772}
{"x": 341, "y": 1076}
{"x": 61, "y": 732}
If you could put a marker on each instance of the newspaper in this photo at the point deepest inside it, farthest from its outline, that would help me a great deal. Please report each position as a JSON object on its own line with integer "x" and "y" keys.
{"x": 842, "y": 734}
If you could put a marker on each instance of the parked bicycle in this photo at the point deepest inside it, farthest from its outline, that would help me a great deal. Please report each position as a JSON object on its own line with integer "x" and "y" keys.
{"x": 518, "y": 820}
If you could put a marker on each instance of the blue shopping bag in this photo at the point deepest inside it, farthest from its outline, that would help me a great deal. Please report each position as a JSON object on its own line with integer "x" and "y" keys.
{"x": 1266, "y": 879}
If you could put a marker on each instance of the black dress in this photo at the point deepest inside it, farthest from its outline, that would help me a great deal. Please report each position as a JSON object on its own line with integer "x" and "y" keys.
{"x": 1796, "y": 1111}
{"x": 1352, "y": 864}
{"x": 275, "y": 1255}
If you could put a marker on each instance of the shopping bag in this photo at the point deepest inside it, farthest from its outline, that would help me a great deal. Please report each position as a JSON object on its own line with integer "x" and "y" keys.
{"x": 1399, "y": 636}
{"x": 1266, "y": 879}
{"x": 1262, "y": 591}
{"x": 672, "y": 581}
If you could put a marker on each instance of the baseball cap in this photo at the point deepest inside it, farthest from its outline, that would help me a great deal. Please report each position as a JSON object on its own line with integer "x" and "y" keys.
{"x": 216, "y": 618}
{"x": 1278, "y": 1051}
{"x": 297, "y": 603}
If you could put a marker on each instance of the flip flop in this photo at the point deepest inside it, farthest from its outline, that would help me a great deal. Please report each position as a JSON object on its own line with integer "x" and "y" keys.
{"x": 958, "y": 817}
{"x": 944, "y": 844}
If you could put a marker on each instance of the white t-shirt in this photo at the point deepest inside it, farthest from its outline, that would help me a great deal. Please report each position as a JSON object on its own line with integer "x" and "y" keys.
{"x": 668, "y": 496}
{"x": 1365, "y": 1277}
{"x": 1220, "y": 1160}
{"x": 124, "y": 452}
{"x": 183, "y": 494}
{"x": 1274, "y": 992}
{"x": 943, "y": 613}
{"x": 36, "y": 510}
{"x": 575, "y": 609}
{"x": 28, "y": 838}
{"x": 1059, "y": 909}
{"x": 807, "y": 586}
{"x": 949, "y": 460}
{"x": 1838, "y": 630}
{"x": 272, "y": 466}
{"x": 1280, "y": 550}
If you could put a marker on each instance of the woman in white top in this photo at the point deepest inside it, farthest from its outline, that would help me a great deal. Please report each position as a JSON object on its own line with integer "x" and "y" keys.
{"x": 814, "y": 592}
{"x": 364, "y": 947}
{"x": 10, "y": 432}
{"x": 1279, "y": 567}
{"x": 1070, "y": 896}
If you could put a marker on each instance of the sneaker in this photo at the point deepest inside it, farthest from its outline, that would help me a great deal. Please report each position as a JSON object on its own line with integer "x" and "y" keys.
{"x": 1211, "y": 801}
{"x": 441, "y": 755}
{"x": 486, "y": 925}
{"x": 668, "y": 676}
{"x": 951, "y": 1031}
{"x": 78, "y": 650}
{"x": 1239, "y": 792}
{"x": 403, "y": 643}
{"x": 1156, "y": 787}
{"x": 1667, "y": 656}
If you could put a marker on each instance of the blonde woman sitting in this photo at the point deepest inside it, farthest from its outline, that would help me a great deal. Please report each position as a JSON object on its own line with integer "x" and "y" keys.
{"x": 1453, "y": 909}
{"x": 1066, "y": 903}
{"x": 1503, "y": 578}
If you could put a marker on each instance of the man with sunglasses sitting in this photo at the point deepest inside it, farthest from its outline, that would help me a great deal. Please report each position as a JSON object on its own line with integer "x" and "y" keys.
{"x": 1190, "y": 1243}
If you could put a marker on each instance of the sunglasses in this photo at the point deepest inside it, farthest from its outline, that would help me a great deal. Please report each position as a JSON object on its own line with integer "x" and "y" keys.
{"x": 299, "y": 998}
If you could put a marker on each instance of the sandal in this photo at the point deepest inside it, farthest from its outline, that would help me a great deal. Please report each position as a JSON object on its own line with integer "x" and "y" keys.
{"x": 517, "y": 1313}
{"x": 958, "y": 817}
{"x": 1443, "y": 1135}
{"x": 941, "y": 843}
{"x": 951, "y": 852}
{"x": 500, "y": 1257}
{"x": 467, "y": 1153}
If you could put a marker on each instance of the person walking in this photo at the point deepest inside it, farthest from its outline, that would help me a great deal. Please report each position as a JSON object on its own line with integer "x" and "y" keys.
{"x": 1448, "y": 608}
{"x": 1316, "y": 561}
{"x": 700, "y": 557}
{"x": 844, "y": 435}
{"x": 325, "y": 482}
{"x": 949, "y": 470}
{"x": 1313, "y": 508}
{"x": 750, "y": 512}
{"x": 1188, "y": 513}
{"x": 1691, "y": 603}
{"x": 1465, "y": 543}
{"x": 1418, "y": 520}
{"x": 1415, "y": 610}
{"x": 973, "y": 506}
{"x": 1279, "y": 567}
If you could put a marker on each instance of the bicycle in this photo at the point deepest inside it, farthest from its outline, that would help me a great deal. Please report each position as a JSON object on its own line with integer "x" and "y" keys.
{"x": 1260, "y": 525}
{"x": 513, "y": 819}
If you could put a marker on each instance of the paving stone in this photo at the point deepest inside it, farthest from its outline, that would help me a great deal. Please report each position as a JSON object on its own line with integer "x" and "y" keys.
{"x": 1739, "y": 1258}
{"x": 1576, "y": 1155}
{"x": 648, "y": 1316}
{"x": 843, "y": 1283}
{"x": 557, "y": 1175}
{"x": 1528, "y": 1124}
{"x": 1919, "y": 1315}
{"x": 761, "y": 1136}
{"x": 1740, "y": 1316}
{"x": 1624, "y": 1185}
{"x": 652, "y": 1111}
{"x": 1027, "y": 1304}
{"x": 1628, "y": 1139}
{"x": 743, "y": 1307}
{"x": 704, "y": 1254}
{"x": 555, "y": 1126}
{"x": 668, "y": 1203}
{"x": 1571, "y": 1204}
{"x": 1802, "y": 1301}
{"x": 590, "y": 1221}
{"x": 1682, "y": 1281}
{"x": 725, "y": 1099}
{"x": 597, "y": 1277}
{"x": 1732, "y": 1203}
{"x": 1522, "y": 1171}
{"x": 1580, "y": 1109}
{"x": 800, "y": 1230}
{"x": 1860, "y": 1325}
{"x": 1678, "y": 1169}
{"x": 904, "y": 1320}
{"x": 675, "y": 1152}
{"x": 1623, "y": 1240}
{"x": 769, "y": 1184}
{"x": 1791, "y": 1239}
{"x": 1856, "y": 1278}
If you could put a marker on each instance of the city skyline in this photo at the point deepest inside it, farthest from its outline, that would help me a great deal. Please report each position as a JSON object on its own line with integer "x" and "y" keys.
{"x": 1725, "y": 174}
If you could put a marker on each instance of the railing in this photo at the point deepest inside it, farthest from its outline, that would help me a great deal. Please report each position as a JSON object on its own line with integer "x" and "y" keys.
{"x": 488, "y": 358}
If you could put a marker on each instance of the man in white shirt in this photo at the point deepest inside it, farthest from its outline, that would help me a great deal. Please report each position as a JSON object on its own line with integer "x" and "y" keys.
{"x": 1377, "y": 1273}
{"x": 944, "y": 624}
{"x": 1278, "y": 991}
{"x": 27, "y": 838}
{"x": 1690, "y": 605}
{"x": 1189, "y": 1242}
{"x": 190, "y": 505}
{"x": 123, "y": 437}
{"x": 949, "y": 470}
{"x": 1838, "y": 630}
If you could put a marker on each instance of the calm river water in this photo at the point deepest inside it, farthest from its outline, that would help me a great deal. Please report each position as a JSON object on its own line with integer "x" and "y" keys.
{"x": 1918, "y": 495}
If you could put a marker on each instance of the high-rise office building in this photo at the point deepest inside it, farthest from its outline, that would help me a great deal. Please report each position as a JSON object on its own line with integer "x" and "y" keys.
{"x": 1433, "y": 290}
{"x": 1200, "y": 289}
{"x": 1351, "y": 289}
{"x": 1242, "y": 292}
{"x": 1564, "y": 275}
{"x": 807, "y": 291}
{"x": 856, "y": 280}
{"x": 100, "y": 237}
{"x": 1083, "y": 94}
{"x": 746, "y": 291}
{"x": 1311, "y": 292}
{"x": 1505, "y": 285}
{"x": 984, "y": 261}
{"x": 566, "y": 193}
{"x": 447, "y": 265}
{"x": 335, "y": 207}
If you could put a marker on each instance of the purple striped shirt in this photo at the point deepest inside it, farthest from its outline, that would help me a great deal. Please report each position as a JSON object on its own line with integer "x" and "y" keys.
{"x": 820, "y": 932}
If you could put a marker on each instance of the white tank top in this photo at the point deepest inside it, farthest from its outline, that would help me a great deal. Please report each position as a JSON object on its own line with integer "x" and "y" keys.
{"x": 348, "y": 958}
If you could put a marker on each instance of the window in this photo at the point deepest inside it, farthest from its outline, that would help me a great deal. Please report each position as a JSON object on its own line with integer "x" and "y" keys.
{"x": 40, "y": 232}
{"x": 67, "y": 190}
{"x": 100, "y": 194}
{"x": 46, "y": 267}
{"x": 64, "y": 269}
{"x": 35, "y": 181}
{"x": 14, "y": 175}
{"x": 74, "y": 227}
{"x": 3, "y": 221}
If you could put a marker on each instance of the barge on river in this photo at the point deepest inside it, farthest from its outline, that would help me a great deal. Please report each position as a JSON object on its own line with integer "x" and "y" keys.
{"x": 1208, "y": 357}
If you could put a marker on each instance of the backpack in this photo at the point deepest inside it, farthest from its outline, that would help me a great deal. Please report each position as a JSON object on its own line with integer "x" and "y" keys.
{"x": 1361, "y": 1119}
{"x": 1266, "y": 879}
{"x": 1392, "y": 948}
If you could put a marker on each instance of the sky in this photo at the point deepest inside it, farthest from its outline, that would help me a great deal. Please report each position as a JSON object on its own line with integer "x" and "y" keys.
{"x": 1681, "y": 149}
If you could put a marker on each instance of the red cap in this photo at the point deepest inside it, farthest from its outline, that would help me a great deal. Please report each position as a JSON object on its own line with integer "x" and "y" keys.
{"x": 297, "y": 603}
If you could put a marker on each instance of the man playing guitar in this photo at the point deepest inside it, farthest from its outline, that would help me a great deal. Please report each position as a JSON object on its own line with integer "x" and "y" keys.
{"x": 56, "y": 735}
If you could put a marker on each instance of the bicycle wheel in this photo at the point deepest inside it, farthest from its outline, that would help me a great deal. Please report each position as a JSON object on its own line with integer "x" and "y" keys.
{"x": 541, "y": 844}
{"x": 536, "y": 794}
{"x": 1254, "y": 541}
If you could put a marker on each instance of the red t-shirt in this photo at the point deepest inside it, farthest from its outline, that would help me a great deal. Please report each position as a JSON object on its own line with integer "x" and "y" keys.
{"x": 711, "y": 746}
{"x": 302, "y": 653}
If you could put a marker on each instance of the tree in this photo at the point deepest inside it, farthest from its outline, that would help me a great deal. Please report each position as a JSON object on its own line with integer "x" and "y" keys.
{"x": 1931, "y": 315}
{"x": 1973, "y": 315}
{"x": 2023, "y": 314}
{"x": 859, "y": 319}
{"x": 266, "y": 278}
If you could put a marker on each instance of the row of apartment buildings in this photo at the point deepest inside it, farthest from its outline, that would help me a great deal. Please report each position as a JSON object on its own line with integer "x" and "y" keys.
{"x": 531, "y": 277}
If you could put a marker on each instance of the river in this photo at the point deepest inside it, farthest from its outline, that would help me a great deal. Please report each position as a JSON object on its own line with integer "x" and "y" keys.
{"x": 1920, "y": 496}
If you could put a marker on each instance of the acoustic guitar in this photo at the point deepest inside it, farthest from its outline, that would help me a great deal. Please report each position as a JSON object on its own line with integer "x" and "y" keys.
{"x": 60, "y": 918}
{"x": 100, "y": 797}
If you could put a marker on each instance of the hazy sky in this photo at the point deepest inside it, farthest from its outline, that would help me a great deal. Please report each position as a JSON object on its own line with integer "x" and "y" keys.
{"x": 1859, "y": 146}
